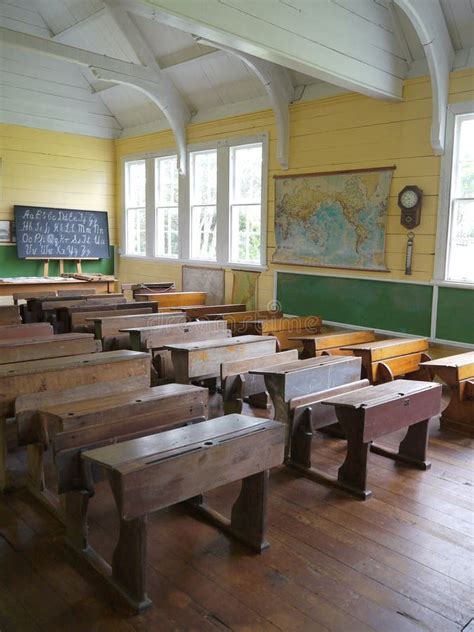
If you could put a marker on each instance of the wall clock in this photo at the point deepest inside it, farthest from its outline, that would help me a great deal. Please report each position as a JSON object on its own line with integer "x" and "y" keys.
{"x": 409, "y": 201}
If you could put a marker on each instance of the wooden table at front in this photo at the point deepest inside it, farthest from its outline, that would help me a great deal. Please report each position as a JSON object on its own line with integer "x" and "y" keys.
{"x": 457, "y": 372}
{"x": 202, "y": 360}
{"x": 370, "y": 413}
{"x": 158, "y": 471}
{"x": 56, "y": 374}
{"x": 7, "y": 288}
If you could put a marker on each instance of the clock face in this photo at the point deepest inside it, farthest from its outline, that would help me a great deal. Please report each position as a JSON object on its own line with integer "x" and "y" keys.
{"x": 409, "y": 199}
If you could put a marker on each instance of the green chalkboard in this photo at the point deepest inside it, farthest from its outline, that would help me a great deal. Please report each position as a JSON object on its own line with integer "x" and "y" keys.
{"x": 11, "y": 266}
{"x": 455, "y": 319}
{"x": 399, "y": 307}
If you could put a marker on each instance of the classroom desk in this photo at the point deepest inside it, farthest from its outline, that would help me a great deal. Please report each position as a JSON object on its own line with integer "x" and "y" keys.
{"x": 56, "y": 374}
{"x": 55, "y": 283}
{"x": 457, "y": 372}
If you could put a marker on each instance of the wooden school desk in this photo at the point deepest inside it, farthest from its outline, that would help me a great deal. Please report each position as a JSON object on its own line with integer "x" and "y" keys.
{"x": 158, "y": 471}
{"x": 202, "y": 360}
{"x": 56, "y": 374}
{"x": 457, "y": 372}
{"x": 317, "y": 344}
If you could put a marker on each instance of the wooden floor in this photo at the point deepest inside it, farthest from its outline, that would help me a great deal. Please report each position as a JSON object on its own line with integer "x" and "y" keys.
{"x": 401, "y": 561}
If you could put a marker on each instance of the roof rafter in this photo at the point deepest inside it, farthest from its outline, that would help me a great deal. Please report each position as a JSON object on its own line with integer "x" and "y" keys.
{"x": 164, "y": 94}
{"x": 430, "y": 26}
{"x": 280, "y": 91}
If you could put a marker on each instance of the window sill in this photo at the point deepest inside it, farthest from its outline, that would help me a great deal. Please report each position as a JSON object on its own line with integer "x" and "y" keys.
{"x": 461, "y": 285}
{"x": 198, "y": 263}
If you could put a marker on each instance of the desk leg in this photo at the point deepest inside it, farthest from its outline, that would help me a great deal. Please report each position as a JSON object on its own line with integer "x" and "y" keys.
{"x": 414, "y": 446}
{"x": 232, "y": 394}
{"x": 76, "y": 504}
{"x": 180, "y": 366}
{"x": 129, "y": 557}
{"x": 352, "y": 474}
{"x": 249, "y": 512}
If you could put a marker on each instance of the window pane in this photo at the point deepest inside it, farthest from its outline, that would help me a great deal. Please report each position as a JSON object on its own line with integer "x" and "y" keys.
{"x": 246, "y": 170}
{"x": 203, "y": 177}
{"x": 203, "y": 232}
{"x": 135, "y": 184}
{"x": 136, "y": 231}
{"x": 167, "y": 232}
{"x": 166, "y": 181}
{"x": 246, "y": 232}
{"x": 464, "y": 185}
{"x": 461, "y": 251}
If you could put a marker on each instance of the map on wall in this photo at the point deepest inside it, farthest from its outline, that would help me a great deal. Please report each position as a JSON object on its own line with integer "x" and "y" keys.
{"x": 332, "y": 220}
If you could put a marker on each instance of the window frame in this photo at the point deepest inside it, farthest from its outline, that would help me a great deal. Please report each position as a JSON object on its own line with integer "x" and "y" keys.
{"x": 223, "y": 250}
{"x": 443, "y": 231}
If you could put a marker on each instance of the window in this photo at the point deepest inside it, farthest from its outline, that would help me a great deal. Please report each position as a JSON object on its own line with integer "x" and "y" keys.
{"x": 454, "y": 260}
{"x": 460, "y": 247}
{"x": 203, "y": 175}
{"x": 166, "y": 198}
{"x": 246, "y": 202}
{"x": 214, "y": 214}
{"x": 135, "y": 208}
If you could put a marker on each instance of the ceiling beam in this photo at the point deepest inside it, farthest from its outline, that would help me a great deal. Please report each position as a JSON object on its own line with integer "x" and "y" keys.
{"x": 277, "y": 83}
{"x": 428, "y": 21}
{"x": 186, "y": 56}
{"x": 332, "y": 44}
{"x": 166, "y": 96}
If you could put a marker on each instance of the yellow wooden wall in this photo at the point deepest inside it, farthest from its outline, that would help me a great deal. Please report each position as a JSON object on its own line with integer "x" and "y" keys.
{"x": 42, "y": 168}
{"x": 344, "y": 132}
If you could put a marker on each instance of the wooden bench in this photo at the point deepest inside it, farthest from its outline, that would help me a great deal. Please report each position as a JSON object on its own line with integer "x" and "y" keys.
{"x": 155, "y": 288}
{"x": 56, "y": 374}
{"x": 375, "y": 411}
{"x": 76, "y": 318}
{"x": 75, "y": 292}
{"x": 77, "y": 425}
{"x": 202, "y": 360}
{"x": 50, "y": 309}
{"x": 284, "y": 329}
{"x": 457, "y": 372}
{"x": 238, "y": 385}
{"x": 9, "y": 315}
{"x": 384, "y": 360}
{"x": 194, "y": 312}
{"x": 236, "y": 317}
{"x": 155, "y": 339}
{"x": 158, "y": 471}
{"x": 34, "y": 305}
{"x": 318, "y": 344}
{"x": 27, "y": 330}
{"x": 174, "y": 299}
{"x": 25, "y": 349}
{"x": 109, "y": 328}
{"x": 24, "y": 296}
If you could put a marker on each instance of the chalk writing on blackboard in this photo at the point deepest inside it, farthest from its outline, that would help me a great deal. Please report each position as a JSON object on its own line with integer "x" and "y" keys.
{"x": 61, "y": 233}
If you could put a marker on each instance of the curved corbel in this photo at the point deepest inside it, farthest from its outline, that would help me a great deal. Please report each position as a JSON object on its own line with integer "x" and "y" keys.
{"x": 277, "y": 83}
{"x": 429, "y": 23}
{"x": 170, "y": 104}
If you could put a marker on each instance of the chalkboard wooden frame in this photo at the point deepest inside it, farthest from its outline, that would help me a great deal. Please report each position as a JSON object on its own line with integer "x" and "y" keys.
{"x": 104, "y": 221}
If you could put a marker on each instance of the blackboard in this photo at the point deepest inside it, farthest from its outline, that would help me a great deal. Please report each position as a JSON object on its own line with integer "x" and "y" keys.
{"x": 54, "y": 233}
{"x": 399, "y": 307}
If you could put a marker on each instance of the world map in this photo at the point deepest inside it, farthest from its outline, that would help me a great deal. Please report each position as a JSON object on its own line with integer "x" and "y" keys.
{"x": 332, "y": 220}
